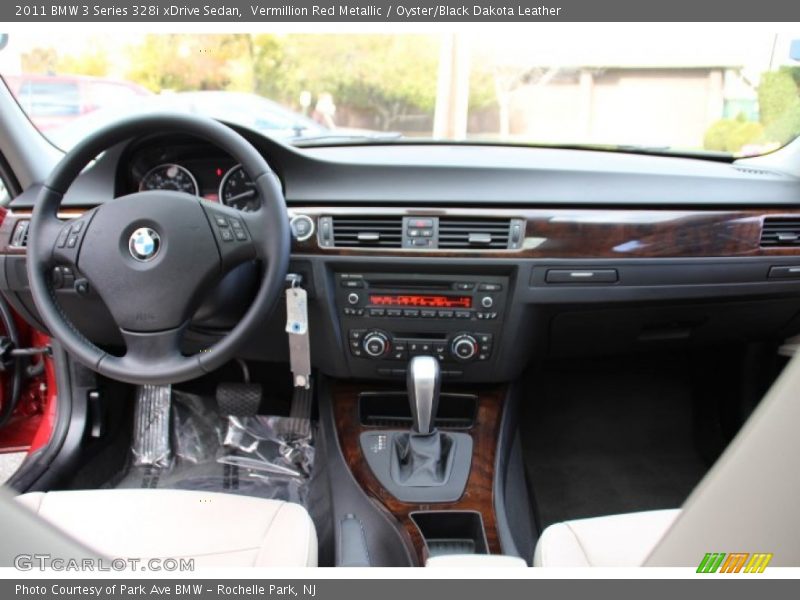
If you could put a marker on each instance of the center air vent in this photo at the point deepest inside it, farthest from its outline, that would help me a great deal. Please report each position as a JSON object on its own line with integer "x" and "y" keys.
{"x": 474, "y": 233}
{"x": 780, "y": 231}
{"x": 368, "y": 232}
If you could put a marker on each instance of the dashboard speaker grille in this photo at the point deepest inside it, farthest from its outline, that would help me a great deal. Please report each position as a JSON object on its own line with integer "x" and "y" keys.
{"x": 780, "y": 231}
{"x": 368, "y": 232}
{"x": 473, "y": 233}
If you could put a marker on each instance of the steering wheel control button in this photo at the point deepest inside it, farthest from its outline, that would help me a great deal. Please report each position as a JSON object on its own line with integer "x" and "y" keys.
{"x": 226, "y": 235}
{"x": 221, "y": 221}
{"x": 144, "y": 244}
{"x": 302, "y": 227}
{"x": 72, "y": 241}
{"x": 82, "y": 287}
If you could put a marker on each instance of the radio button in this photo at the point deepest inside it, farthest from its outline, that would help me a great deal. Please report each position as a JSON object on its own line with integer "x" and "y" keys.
{"x": 377, "y": 312}
{"x": 463, "y": 314}
{"x": 352, "y": 283}
{"x": 445, "y": 314}
{"x": 353, "y": 298}
{"x": 427, "y": 314}
{"x": 411, "y": 312}
{"x": 394, "y": 312}
{"x": 490, "y": 287}
{"x": 464, "y": 286}
{"x": 487, "y": 302}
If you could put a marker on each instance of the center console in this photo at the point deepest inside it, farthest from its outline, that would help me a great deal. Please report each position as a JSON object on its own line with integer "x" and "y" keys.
{"x": 388, "y": 318}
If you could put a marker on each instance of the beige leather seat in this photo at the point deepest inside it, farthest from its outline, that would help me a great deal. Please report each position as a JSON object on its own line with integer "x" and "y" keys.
{"x": 616, "y": 541}
{"x": 215, "y": 529}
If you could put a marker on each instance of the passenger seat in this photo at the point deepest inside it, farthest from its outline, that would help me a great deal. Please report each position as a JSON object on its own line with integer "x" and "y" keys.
{"x": 616, "y": 541}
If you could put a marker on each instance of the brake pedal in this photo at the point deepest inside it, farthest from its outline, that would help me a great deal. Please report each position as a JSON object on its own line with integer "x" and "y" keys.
{"x": 239, "y": 399}
{"x": 151, "y": 445}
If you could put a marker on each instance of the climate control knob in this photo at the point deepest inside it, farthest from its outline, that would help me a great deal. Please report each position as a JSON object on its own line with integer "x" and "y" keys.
{"x": 464, "y": 347}
{"x": 376, "y": 344}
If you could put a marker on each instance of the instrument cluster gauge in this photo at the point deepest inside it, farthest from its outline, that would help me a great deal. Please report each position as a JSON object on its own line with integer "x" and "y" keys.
{"x": 238, "y": 191}
{"x": 170, "y": 176}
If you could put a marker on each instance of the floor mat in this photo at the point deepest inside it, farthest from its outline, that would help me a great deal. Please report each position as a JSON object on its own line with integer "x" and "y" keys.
{"x": 202, "y": 450}
{"x": 607, "y": 437}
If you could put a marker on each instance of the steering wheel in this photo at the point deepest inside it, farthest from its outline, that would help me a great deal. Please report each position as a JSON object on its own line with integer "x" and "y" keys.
{"x": 151, "y": 256}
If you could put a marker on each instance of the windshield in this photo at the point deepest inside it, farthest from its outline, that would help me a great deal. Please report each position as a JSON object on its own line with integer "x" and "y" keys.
{"x": 702, "y": 92}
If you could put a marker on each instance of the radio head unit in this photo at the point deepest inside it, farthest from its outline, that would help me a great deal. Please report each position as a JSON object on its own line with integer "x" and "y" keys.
{"x": 390, "y": 317}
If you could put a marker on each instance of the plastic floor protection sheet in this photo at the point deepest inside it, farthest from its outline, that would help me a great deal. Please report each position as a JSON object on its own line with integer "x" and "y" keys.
{"x": 196, "y": 448}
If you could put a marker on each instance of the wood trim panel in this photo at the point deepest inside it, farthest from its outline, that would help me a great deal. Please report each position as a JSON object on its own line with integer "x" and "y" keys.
{"x": 478, "y": 495}
{"x": 561, "y": 233}
{"x": 590, "y": 233}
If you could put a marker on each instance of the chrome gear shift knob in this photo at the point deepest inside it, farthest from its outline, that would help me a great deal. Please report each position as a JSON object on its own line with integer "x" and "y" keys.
{"x": 423, "y": 382}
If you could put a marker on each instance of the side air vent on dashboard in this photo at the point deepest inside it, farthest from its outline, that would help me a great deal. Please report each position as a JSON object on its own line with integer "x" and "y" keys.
{"x": 780, "y": 231}
{"x": 474, "y": 233}
{"x": 368, "y": 232}
{"x": 19, "y": 237}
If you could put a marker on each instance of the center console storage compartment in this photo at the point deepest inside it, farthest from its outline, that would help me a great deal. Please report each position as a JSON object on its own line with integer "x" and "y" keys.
{"x": 451, "y": 532}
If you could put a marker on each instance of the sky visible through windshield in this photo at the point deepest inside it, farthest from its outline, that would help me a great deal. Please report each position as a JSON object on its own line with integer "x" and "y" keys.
{"x": 702, "y": 91}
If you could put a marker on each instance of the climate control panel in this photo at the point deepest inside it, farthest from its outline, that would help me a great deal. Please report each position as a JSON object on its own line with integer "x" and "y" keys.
{"x": 461, "y": 347}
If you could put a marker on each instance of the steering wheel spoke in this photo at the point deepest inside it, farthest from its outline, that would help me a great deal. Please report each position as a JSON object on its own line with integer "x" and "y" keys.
{"x": 67, "y": 245}
{"x": 148, "y": 347}
{"x": 237, "y": 234}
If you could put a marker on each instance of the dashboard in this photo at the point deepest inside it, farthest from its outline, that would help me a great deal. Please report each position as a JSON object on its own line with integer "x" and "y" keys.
{"x": 485, "y": 256}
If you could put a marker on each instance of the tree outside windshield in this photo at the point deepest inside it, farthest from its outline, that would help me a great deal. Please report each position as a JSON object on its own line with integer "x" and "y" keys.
{"x": 732, "y": 94}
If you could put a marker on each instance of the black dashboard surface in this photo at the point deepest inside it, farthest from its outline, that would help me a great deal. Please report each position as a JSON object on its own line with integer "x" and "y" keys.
{"x": 418, "y": 174}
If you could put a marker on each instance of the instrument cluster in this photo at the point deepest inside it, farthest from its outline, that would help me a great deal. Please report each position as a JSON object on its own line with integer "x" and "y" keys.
{"x": 213, "y": 180}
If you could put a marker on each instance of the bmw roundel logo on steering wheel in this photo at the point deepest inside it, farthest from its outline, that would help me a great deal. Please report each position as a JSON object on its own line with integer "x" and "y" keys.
{"x": 144, "y": 244}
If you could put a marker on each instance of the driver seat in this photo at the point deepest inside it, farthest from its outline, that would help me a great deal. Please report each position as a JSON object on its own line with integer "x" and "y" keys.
{"x": 215, "y": 529}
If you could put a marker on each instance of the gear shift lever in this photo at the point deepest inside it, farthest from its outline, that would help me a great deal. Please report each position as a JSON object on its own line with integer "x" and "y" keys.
{"x": 423, "y": 392}
{"x": 424, "y": 464}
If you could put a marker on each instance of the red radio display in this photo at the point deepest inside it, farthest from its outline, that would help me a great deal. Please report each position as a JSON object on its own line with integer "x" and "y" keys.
{"x": 420, "y": 300}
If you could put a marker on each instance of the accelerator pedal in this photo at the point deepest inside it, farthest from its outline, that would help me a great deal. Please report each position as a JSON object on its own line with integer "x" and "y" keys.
{"x": 299, "y": 422}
